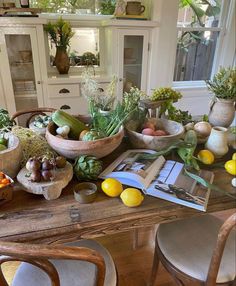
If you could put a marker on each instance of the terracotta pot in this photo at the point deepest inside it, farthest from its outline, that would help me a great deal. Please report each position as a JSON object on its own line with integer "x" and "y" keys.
{"x": 11, "y": 157}
{"x": 74, "y": 148}
{"x": 222, "y": 112}
{"x": 62, "y": 60}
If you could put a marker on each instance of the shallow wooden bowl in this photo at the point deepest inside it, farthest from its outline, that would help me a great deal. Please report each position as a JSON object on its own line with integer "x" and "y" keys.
{"x": 11, "y": 157}
{"x": 73, "y": 148}
{"x": 175, "y": 130}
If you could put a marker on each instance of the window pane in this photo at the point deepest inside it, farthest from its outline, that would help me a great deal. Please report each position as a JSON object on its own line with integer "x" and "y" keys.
{"x": 104, "y": 7}
{"x": 84, "y": 48}
{"x": 199, "y": 13}
{"x": 195, "y": 55}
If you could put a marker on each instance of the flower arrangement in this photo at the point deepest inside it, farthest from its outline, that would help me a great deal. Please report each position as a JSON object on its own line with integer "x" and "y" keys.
{"x": 98, "y": 98}
{"x": 60, "y": 33}
{"x": 223, "y": 84}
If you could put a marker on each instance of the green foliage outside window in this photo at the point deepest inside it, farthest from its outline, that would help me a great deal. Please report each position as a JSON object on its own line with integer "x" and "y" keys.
{"x": 63, "y": 6}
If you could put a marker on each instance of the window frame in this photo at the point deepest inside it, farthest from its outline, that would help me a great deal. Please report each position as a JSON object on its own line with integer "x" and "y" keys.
{"x": 199, "y": 84}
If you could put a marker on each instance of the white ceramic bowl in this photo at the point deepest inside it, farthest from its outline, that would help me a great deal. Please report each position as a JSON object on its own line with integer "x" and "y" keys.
{"x": 175, "y": 130}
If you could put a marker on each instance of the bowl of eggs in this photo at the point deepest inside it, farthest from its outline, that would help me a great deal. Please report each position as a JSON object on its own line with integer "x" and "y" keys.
{"x": 155, "y": 134}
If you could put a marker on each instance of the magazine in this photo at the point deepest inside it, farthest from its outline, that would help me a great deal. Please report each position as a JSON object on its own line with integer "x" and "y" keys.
{"x": 161, "y": 178}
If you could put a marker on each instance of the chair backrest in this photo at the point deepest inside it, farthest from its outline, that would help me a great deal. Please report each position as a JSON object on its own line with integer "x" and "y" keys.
{"x": 219, "y": 249}
{"x": 39, "y": 255}
{"x": 26, "y": 115}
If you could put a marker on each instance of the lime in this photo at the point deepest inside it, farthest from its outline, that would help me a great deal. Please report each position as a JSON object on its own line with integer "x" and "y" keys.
{"x": 3, "y": 141}
{"x": 131, "y": 197}
{"x": 206, "y": 157}
{"x": 2, "y": 147}
{"x": 112, "y": 187}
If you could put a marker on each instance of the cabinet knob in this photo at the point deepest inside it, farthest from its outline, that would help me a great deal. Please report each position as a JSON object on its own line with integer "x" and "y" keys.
{"x": 38, "y": 82}
{"x": 120, "y": 79}
{"x": 64, "y": 90}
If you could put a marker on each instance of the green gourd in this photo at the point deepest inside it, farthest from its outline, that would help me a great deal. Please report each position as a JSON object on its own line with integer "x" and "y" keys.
{"x": 61, "y": 118}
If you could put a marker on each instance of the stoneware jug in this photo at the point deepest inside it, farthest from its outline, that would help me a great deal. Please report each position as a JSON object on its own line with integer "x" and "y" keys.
{"x": 217, "y": 142}
{"x": 134, "y": 8}
{"x": 222, "y": 112}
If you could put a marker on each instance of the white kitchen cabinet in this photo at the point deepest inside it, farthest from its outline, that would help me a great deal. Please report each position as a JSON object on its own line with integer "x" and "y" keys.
{"x": 128, "y": 55}
{"x": 133, "y": 59}
{"x": 20, "y": 68}
{"x": 67, "y": 96}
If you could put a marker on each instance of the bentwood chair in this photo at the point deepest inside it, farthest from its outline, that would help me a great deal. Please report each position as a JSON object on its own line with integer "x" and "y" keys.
{"x": 197, "y": 251}
{"x": 26, "y": 115}
{"x": 84, "y": 263}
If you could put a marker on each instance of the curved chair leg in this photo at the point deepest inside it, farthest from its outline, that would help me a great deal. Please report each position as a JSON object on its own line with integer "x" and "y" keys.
{"x": 154, "y": 270}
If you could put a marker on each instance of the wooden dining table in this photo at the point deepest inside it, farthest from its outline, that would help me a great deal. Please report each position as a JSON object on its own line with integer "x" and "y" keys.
{"x": 29, "y": 217}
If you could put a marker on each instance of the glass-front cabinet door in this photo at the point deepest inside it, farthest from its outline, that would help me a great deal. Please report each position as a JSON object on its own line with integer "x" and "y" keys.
{"x": 20, "y": 68}
{"x": 133, "y": 59}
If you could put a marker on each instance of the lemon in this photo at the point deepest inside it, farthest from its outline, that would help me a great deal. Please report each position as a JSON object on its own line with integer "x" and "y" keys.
{"x": 206, "y": 157}
{"x": 112, "y": 187}
{"x": 230, "y": 167}
{"x": 234, "y": 156}
{"x": 131, "y": 197}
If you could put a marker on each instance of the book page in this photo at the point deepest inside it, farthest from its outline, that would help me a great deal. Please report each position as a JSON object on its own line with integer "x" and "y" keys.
{"x": 133, "y": 169}
{"x": 188, "y": 193}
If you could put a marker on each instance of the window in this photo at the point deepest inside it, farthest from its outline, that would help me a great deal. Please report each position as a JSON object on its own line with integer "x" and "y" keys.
{"x": 105, "y": 7}
{"x": 200, "y": 28}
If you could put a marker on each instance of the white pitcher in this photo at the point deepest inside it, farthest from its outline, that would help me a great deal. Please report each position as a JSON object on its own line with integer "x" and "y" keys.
{"x": 217, "y": 141}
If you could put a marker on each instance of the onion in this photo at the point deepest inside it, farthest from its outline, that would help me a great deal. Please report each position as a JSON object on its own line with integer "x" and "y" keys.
{"x": 202, "y": 128}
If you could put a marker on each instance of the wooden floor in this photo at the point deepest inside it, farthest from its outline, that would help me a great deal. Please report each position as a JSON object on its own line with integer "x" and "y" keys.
{"x": 133, "y": 266}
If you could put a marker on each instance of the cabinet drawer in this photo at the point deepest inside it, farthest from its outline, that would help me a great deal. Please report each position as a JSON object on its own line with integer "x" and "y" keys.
{"x": 76, "y": 105}
{"x": 63, "y": 90}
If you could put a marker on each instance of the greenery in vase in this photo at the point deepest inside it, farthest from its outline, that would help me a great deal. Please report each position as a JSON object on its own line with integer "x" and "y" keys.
{"x": 60, "y": 33}
{"x": 98, "y": 98}
{"x": 223, "y": 84}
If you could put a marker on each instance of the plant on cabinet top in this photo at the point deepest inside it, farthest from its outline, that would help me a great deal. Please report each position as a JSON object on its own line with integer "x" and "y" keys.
{"x": 60, "y": 33}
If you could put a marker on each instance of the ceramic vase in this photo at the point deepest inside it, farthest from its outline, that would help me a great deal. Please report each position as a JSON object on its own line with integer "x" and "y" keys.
{"x": 62, "y": 60}
{"x": 222, "y": 112}
{"x": 217, "y": 141}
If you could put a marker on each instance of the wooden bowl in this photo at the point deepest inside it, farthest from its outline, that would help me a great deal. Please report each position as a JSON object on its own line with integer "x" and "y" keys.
{"x": 11, "y": 157}
{"x": 175, "y": 130}
{"x": 73, "y": 148}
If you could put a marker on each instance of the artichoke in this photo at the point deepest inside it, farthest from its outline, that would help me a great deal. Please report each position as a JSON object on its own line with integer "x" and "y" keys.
{"x": 92, "y": 135}
{"x": 87, "y": 167}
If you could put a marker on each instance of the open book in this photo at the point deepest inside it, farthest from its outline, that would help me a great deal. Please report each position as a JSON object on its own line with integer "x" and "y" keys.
{"x": 164, "y": 179}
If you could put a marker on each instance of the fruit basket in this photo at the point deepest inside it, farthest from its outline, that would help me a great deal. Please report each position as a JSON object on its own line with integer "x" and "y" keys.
{"x": 174, "y": 130}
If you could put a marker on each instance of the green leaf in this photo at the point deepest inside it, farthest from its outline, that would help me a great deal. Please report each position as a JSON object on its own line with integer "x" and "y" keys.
{"x": 206, "y": 184}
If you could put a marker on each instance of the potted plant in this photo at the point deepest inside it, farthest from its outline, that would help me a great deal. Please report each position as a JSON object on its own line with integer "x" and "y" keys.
{"x": 223, "y": 85}
{"x": 60, "y": 34}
